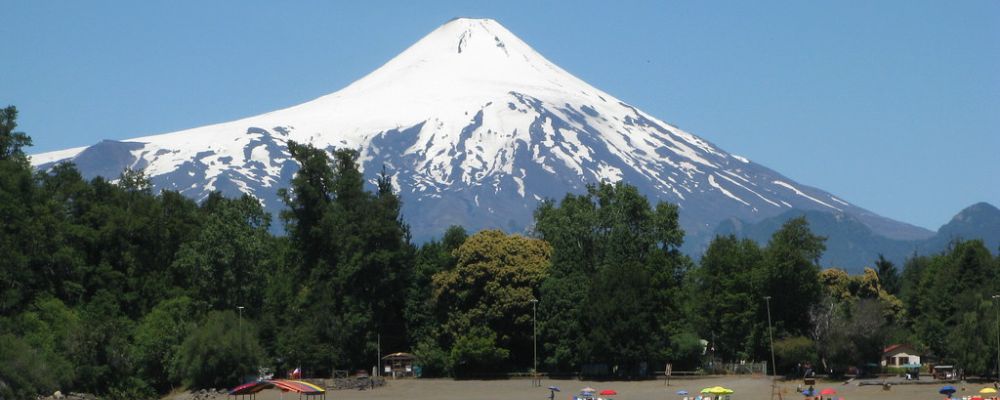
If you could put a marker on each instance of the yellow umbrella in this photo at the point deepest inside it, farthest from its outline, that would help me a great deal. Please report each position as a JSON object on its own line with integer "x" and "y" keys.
{"x": 717, "y": 390}
{"x": 988, "y": 390}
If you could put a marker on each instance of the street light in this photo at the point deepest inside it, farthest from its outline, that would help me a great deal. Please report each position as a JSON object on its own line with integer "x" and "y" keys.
{"x": 997, "y": 297}
{"x": 241, "y": 323}
{"x": 240, "y": 308}
{"x": 534, "y": 338}
{"x": 774, "y": 367}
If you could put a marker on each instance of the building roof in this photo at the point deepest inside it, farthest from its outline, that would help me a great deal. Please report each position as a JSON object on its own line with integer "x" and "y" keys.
{"x": 895, "y": 347}
{"x": 400, "y": 356}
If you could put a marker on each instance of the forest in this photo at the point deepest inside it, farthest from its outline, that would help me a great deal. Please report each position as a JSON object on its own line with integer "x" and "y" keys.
{"x": 110, "y": 287}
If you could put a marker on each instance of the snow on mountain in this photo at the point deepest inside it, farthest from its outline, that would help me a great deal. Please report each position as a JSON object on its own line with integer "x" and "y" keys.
{"x": 475, "y": 128}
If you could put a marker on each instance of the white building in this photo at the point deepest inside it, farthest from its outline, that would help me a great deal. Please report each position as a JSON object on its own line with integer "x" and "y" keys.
{"x": 899, "y": 355}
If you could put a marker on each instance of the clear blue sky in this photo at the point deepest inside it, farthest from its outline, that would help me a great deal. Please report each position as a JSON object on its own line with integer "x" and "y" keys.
{"x": 893, "y": 105}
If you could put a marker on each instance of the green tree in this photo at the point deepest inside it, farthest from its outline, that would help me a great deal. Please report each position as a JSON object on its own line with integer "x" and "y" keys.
{"x": 219, "y": 353}
{"x": 614, "y": 257}
{"x": 226, "y": 263}
{"x": 12, "y": 143}
{"x": 888, "y": 275}
{"x": 791, "y": 276}
{"x": 353, "y": 253}
{"x": 477, "y": 351}
{"x": 423, "y": 320}
{"x": 24, "y": 371}
{"x": 495, "y": 278}
{"x": 725, "y": 298}
{"x": 968, "y": 268}
{"x": 158, "y": 338}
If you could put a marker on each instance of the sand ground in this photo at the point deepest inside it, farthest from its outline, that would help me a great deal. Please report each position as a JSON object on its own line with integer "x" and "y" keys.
{"x": 746, "y": 388}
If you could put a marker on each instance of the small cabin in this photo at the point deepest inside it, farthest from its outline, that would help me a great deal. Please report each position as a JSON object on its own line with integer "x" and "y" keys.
{"x": 944, "y": 372}
{"x": 899, "y": 355}
{"x": 399, "y": 365}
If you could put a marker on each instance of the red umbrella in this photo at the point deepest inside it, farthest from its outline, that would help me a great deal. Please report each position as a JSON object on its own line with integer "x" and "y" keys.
{"x": 827, "y": 392}
{"x": 608, "y": 392}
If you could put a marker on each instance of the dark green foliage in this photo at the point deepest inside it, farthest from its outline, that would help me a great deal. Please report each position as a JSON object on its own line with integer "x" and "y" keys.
{"x": 422, "y": 316}
{"x": 352, "y": 255}
{"x": 227, "y": 261}
{"x": 219, "y": 353}
{"x": 791, "y": 351}
{"x": 611, "y": 295}
{"x": 477, "y": 352}
{"x": 24, "y": 371}
{"x": 888, "y": 275}
{"x": 954, "y": 295}
{"x": 790, "y": 275}
{"x": 726, "y": 299}
{"x": 12, "y": 143}
{"x": 158, "y": 338}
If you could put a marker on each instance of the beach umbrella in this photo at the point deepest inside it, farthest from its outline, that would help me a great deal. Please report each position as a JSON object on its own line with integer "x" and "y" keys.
{"x": 682, "y": 392}
{"x": 988, "y": 390}
{"x": 827, "y": 392}
{"x": 608, "y": 392}
{"x": 809, "y": 392}
{"x": 588, "y": 390}
{"x": 716, "y": 390}
{"x": 554, "y": 388}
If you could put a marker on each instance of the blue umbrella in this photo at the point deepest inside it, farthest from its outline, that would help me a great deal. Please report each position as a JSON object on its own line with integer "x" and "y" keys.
{"x": 809, "y": 392}
{"x": 682, "y": 392}
{"x": 948, "y": 390}
{"x": 552, "y": 391}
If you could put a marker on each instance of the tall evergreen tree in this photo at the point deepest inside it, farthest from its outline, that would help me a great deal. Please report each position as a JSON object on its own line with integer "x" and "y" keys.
{"x": 354, "y": 253}
{"x": 12, "y": 143}
{"x": 791, "y": 277}
{"x": 614, "y": 257}
{"x": 888, "y": 275}
{"x": 726, "y": 299}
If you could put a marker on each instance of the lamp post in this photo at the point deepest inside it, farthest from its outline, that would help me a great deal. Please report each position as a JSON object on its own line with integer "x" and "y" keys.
{"x": 770, "y": 338}
{"x": 997, "y": 297}
{"x": 241, "y": 324}
{"x": 240, "y": 308}
{"x": 534, "y": 339}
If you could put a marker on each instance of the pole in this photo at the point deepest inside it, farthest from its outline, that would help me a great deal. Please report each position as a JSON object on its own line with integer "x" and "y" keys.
{"x": 534, "y": 339}
{"x": 241, "y": 323}
{"x": 241, "y": 331}
{"x": 770, "y": 338}
{"x": 378, "y": 354}
{"x": 997, "y": 297}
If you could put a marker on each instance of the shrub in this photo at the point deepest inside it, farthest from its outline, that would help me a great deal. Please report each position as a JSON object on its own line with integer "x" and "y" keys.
{"x": 217, "y": 354}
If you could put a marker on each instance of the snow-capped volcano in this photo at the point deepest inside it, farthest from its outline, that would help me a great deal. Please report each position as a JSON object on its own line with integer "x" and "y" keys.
{"x": 475, "y": 128}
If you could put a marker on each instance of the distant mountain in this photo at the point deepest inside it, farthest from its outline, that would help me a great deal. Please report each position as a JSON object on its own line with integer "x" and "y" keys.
{"x": 852, "y": 245}
{"x": 978, "y": 221}
{"x": 475, "y": 128}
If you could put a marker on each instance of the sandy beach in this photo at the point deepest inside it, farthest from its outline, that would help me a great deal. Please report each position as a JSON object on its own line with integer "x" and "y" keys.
{"x": 746, "y": 388}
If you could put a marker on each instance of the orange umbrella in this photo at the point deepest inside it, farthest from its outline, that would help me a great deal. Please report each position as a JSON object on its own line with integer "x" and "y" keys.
{"x": 828, "y": 392}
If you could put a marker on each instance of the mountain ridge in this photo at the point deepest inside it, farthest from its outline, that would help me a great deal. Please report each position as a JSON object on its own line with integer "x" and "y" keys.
{"x": 852, "y": 245}
{"x": 475, "y": 127}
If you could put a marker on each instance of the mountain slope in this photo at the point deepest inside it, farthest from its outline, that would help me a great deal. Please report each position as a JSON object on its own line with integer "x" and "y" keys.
{"x": 978, "y": 221}
{"x": 852, "y": 245}
{"x": 475, "y": 127}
